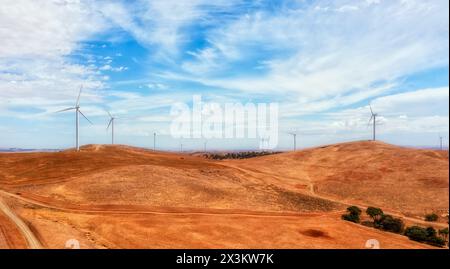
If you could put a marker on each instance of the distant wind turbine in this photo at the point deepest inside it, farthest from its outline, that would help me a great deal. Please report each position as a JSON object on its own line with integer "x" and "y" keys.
{"x": 374, "y": 118}
{"x": 77, "y": 112}
{"x": 295, "y": 140}
{"x": 111, "y": 123}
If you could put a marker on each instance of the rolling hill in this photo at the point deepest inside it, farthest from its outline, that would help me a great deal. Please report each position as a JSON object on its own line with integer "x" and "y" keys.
{"x": 169, "y": 200}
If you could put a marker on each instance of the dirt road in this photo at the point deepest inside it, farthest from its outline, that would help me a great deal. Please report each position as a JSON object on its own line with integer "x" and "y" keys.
{"x": 32, "y": 241}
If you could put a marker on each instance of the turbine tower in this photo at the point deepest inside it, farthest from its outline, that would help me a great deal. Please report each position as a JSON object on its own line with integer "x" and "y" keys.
{"x": 111, "y": 123}
{"x": 295, "y": 140}
{"x": 77, "y": 120}
{"x": 374, "y": 118}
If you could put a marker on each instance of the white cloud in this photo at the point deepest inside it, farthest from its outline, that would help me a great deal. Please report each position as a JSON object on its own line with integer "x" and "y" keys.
{"x": 108, "y": 67}
{"x": 425, "y": 102}
{"x": 319, "y": 56}
{"x": 314, "y": 58}
{"x": 44, "y": 28}
{"x": 424, "y": 110}
{"x": 37, "y": 38}
{"x": 161, "y": 23}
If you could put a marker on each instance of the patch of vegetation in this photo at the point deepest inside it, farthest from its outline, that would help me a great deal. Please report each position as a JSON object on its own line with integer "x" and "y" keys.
{"x": 375, "y": 213}
{"x": 390, "y": 224}
{"x": 353, "y": 215}
{"x": 431, "y": 217}
{"x": 424, "y": 235}
{"x": 443, "y": 233}
{"x": 396, "y": 225}
{"x": 238, "y": 155}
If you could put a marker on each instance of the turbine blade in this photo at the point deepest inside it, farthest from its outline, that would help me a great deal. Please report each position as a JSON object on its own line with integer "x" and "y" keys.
{"x": 67, "y": 109}
{"x": 85, "y": 117}
{"x": 109, "y": 114}
{"x": 109, "y": 124}
{"x": 79, "y": 95}
{"x": 371, "y": 111}
{"x": 370, "y": 120}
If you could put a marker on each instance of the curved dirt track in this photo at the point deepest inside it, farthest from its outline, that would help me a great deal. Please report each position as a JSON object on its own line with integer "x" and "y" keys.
{"x": 108, "y": 209}
{"x": 31, "y": 239}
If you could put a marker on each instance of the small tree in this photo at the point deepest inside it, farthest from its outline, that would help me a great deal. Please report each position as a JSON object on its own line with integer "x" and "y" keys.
{"x": 354, "y": 210}
{"x": 391, "y": 224}
{"x": 423, "y": 235}
{"x": 416, "y": 233}
{"x": 353, "y": 214}
{"x": 431, "y": 232}
{"x": 444, "y": 234}
{"x": 375, "y": 213}
{"x": 431, "y": 217}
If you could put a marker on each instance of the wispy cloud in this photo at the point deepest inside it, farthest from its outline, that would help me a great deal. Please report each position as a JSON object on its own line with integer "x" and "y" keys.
{"x": 321, "y": 60}
{"x": 320, "y": 53}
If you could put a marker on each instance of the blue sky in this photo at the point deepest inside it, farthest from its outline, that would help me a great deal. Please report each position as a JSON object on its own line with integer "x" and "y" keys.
{"x": 321, "y": 61}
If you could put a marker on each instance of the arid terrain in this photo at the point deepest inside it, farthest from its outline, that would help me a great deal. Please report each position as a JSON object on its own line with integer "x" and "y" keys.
{"x": 125, "y": 197}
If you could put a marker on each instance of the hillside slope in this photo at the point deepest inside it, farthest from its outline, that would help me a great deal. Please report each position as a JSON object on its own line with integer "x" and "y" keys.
{"x": 169, "y": 200}
{"x": 411, "y": 181}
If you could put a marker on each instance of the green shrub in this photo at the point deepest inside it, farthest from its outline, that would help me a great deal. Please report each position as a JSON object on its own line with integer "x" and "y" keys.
{"x": 354, "y": 210}
{"x": 424, "y": 235}
{"x": 351, "y": 217}
{"x": 431, "y": 232}
{"x": 375, "y": 213}
{"x": 416, "y": 233}
{"x": 431, "y": 217}
{"x": 391, "y": 224}
{"x": 444, "y": 233}
{"x": 353, "y": 214}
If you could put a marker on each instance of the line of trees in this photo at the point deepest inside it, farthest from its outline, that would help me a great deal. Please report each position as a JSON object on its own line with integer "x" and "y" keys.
{"x": 238, "y": 155}
{"x": 389, "y": 223}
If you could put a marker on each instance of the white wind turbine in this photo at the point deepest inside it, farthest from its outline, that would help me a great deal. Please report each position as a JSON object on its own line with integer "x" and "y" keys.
{"x": 111, "y": 123}
{"x": 294, "y": 135}
{"x": 374, "y": 118}
{"x": 77, "y": 112}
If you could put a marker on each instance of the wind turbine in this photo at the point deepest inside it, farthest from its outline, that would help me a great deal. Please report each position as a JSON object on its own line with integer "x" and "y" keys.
{"x": 295, "y": 140}
{"x": 374, "y": 118}
{"x": 111, "y": 123}
{"x": 77, "y": 112}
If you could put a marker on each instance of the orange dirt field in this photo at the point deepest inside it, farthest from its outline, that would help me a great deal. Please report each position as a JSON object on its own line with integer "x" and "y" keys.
{"x": 125, "y": 197}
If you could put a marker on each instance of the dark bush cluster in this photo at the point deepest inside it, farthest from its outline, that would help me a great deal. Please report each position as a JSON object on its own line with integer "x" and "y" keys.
{"x": 353, "y": 214}
{"x": 424, "y": 235}
{"x": 238, "y": 155}
{"x": 431, "y": 217}
{"x": 395, "y": 225}
{"x": 390, "y": 224}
